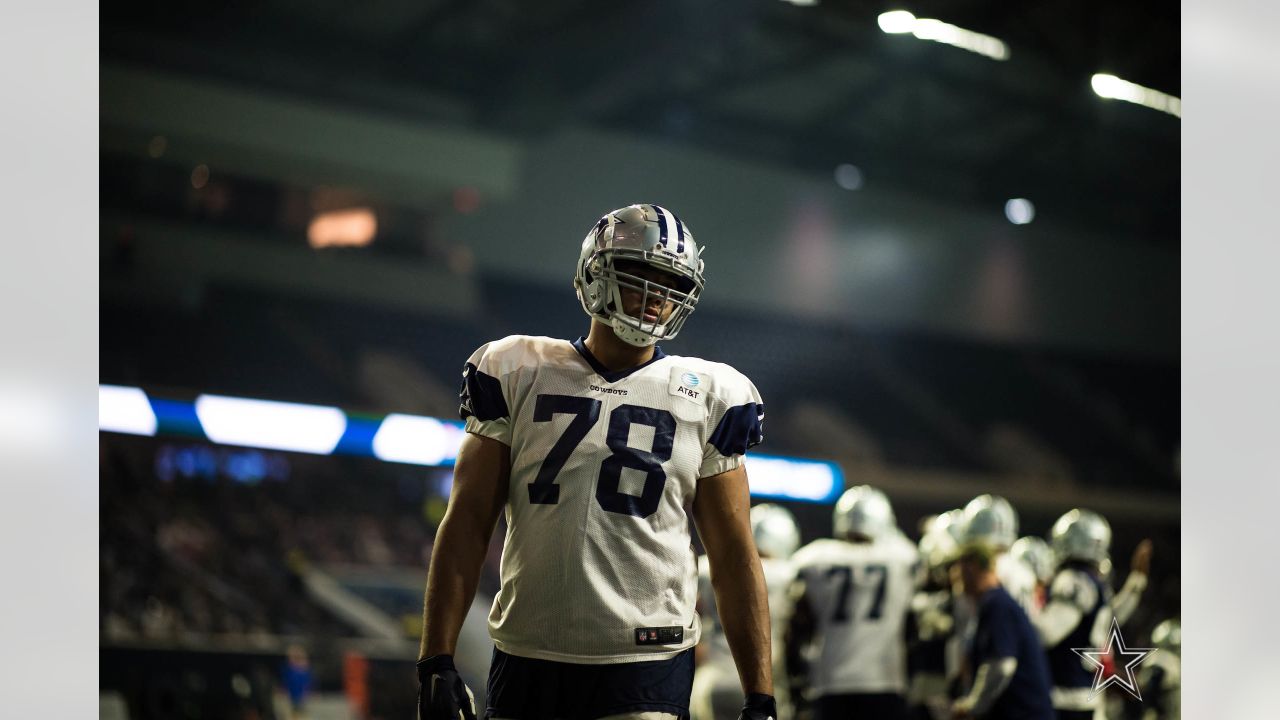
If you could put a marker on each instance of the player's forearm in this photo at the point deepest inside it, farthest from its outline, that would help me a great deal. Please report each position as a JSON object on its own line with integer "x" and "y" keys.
{"x": 456, "y": 560}
{"x": 1056, "y": 621}
{"x": 742, "y": 599}
{"x": 1125, "y": 602}
{"x": 990, "y": 680}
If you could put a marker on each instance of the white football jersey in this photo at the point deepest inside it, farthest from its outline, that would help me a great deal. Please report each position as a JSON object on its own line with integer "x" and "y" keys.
{"x": 598, "y": 565}
{"x": 859, "y": 594}
{"x": 778, "y": 575}
{"x": 1019, "y": 580}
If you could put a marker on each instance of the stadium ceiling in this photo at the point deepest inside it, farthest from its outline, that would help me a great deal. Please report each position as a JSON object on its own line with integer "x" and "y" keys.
{"x": 802, "y": 86}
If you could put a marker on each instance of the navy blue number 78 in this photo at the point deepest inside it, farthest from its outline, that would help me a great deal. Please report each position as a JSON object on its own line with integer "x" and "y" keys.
{"x": 586, "y": 411}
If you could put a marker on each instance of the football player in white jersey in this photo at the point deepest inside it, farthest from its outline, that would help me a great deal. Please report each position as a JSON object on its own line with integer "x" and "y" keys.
{"x": 1034, "y": 552}
{"x": 1080, "y": 607}
{"x": 598, "y": 451}
{"x": 852, "y": 595}
{"x": 716, "y": 690}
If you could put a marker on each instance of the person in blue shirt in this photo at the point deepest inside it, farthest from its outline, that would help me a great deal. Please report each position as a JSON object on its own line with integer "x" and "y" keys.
{"x": 1010, "y": 677}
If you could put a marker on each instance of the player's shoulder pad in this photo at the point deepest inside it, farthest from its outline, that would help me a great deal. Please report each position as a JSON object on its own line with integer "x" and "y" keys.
{"x": 734, "y": 403}
{"x": 1074, "y": 587}
{"x": 818, "y": 552}
{"x": 482, "y": 395}
{"x": 720, "y": 380}
{"x": 502, "y": 357}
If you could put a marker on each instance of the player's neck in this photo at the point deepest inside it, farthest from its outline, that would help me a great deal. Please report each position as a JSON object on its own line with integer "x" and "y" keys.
{"x": 612, "y": 352}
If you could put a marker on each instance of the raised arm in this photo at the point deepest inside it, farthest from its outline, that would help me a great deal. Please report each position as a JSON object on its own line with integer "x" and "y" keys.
{"x": 480, "y": 479}
{"x": 721, "y": 511}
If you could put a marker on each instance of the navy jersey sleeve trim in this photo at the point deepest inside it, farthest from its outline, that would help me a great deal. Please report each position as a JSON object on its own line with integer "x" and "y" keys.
{"x": 742, "y": 427}
{"x": 481, "y": 396}
{"x": 612, "y": 375}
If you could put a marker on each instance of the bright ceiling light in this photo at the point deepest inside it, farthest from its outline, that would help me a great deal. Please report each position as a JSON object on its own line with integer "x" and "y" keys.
{"x": 354, "y": 227}
{"x": 1113, "y": 88}
{"x": 896, "y": 22}
{"x": 1019, "y": 211}
{"x": 900, "y": 22}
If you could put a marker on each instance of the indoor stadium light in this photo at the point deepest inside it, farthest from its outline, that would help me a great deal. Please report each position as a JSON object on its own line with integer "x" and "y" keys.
{"x": 900, "y": 22}
{"x": 354, "y": 227}
{"x": 784, "y": 478}
{"x": 896, "y": 21}
{"x": 417, "y": 440}
{"x": 1113, "y": 88}
{"x": 271, "y": 425}
{"x": 125, "y": 410}
{"x": 1019, "y": 211}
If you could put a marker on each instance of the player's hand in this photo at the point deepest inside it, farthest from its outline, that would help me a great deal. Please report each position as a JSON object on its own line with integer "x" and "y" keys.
{"x": 759, "y": 707}
{"x": 961, "y": 710}
{"x": 1141, "y": 561}
{"x": 441, "y": 693}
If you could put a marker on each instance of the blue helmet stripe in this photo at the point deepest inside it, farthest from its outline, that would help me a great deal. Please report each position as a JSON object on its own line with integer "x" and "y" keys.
{"x": 663, "y": 223}
{"x": 679, "y": 234}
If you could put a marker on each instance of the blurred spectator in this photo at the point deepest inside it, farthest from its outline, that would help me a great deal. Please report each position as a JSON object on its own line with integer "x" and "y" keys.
{"x": 297, "y": 679}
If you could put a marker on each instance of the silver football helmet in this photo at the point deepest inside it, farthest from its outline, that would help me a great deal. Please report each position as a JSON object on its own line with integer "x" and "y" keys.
{"x": 1037, "y": 555}
{"x": 938, "y": 546}
{"x": 863, "y": 510}
{"x": 649, "y": 235}
{"x": 775, "y": 530}
{"x": 1081, "y": 535}
{"x": 1168, "y": 635}
{"x": 989, "y": 521}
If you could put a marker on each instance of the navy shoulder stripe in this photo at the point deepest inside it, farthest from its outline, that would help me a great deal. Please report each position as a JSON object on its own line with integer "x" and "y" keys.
{"x": 742, "y": 427}
{"x": 481, "y": 396}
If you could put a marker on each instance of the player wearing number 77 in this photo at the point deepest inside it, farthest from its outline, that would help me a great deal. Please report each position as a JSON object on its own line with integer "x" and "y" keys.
{"x": 847, "y": 633}
{"x": 598, "y": 450}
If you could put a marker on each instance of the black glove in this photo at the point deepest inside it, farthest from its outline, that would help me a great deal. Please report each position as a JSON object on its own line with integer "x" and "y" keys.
{"x": 759, "y": 707}
{"x": 441, "y": 693}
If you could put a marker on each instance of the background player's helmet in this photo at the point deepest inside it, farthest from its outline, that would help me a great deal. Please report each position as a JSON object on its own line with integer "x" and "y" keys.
{"x": 989, "y": 521}
{"x": 1168, "y": 635}
{"x": 1037, "y": 555}
{"x": 1081, "y": 535}
{"x": 938, "y": 545}
{"x": 865, "y": 511}
{"x": 647, "y": 234}
{"x": 775, "y": 530}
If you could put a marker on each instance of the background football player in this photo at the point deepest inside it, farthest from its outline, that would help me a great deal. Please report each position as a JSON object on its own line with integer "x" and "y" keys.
{"x": 1035, "y": 553}
{"x": 716, "y": 690}
{"x": 991, "y": 521}
{"x": 1080, "y": 608}
{"x": 931, "y": 622}
{"x": 596, "y": 449}
{"x": 1160, "y": 675}
{"x": 852, "y": 595}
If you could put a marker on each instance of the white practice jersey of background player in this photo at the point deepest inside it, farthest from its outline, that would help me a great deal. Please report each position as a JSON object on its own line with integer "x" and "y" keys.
{"x": 720, "y": 675}
{"x": 859, "y": 595}
{"x": 597, "y": 565}
{"x": 1019, "y": 580}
